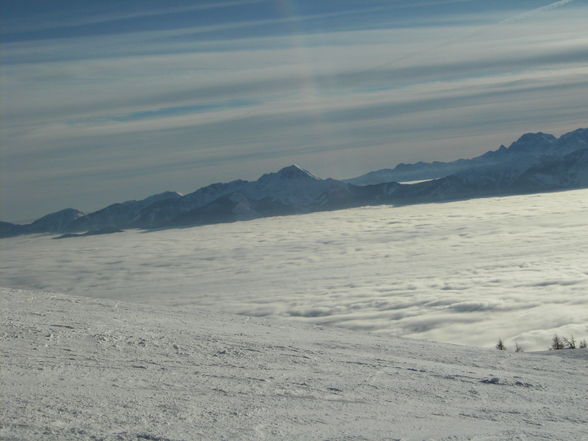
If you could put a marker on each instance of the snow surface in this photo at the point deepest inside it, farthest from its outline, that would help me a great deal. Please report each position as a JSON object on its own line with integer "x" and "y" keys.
{"x": 82, "y": 368}
{"x": 465, "y": 272}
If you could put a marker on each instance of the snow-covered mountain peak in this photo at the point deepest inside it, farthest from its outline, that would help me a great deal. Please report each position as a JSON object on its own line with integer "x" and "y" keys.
{"x": 58, "y": 221}
{"x": 61, "y": 216}
{"x": 533, "y": 141}
{"x": 577, "y": 139}
{"x": 163, "y": 196}
{"x": 534, "y": 137}
{"x": 295, "y": 172}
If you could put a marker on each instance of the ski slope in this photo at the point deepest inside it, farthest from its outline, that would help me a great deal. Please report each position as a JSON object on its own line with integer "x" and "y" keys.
{"x": 83, "y": 368}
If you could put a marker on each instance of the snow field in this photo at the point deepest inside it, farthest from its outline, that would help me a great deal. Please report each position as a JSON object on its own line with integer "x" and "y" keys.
{"x": 82, "y": 368}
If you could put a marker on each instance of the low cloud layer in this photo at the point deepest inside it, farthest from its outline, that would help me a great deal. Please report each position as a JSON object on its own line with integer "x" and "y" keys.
{"x": 466, "y": 272}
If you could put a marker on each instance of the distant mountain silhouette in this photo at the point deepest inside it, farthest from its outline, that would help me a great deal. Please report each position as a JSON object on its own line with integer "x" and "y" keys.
{"x": 536, "y": 162}
{"x": 524, "y": 150}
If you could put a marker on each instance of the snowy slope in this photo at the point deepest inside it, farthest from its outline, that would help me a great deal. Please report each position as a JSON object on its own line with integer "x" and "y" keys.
{"x": 77, "y": 368}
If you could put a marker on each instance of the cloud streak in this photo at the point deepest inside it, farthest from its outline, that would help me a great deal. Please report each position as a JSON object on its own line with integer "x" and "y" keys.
{"x": 60, "y": 22}
{"x": 537, "y": 11}
{"x": 232, "y": 99}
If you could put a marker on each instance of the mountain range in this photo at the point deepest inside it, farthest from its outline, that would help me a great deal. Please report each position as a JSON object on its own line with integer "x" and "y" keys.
{"x": 526, "y": 148}
{"x": 536, "y": 162}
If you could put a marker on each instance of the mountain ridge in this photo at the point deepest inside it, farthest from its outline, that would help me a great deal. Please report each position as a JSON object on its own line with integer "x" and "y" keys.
{"x": 536, "y": 162}
{"x": 528, "y": 146}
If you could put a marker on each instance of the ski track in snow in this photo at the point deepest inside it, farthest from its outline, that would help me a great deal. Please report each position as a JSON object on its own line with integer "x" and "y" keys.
{"x": 465, "y": 272}
{"x": 83, "y": 368}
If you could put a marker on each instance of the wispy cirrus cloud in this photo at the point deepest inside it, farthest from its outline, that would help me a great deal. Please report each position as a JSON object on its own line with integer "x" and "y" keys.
{"x": 62, "y": 20}
{"x": 537, "y": 11}
{"x": 234, "y": 96}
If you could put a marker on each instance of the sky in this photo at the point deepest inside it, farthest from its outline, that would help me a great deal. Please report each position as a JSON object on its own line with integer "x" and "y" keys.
{"x": 115, "y": 100}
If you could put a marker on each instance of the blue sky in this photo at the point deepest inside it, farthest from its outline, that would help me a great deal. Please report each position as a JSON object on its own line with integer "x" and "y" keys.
{"x": 115, "y": 100}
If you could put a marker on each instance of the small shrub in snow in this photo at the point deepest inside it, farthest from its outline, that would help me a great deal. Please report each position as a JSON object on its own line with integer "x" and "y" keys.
{"x": 518, "y": 348}
{"x": 569, "y": 343}
{"x": 566, "y": 343}
{"x": 556, "y": 343}
{"x": 500, "y": 345}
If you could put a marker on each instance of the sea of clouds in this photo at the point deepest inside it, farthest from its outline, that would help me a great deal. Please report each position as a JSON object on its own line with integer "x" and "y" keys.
{"x": 467, "y": 272}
